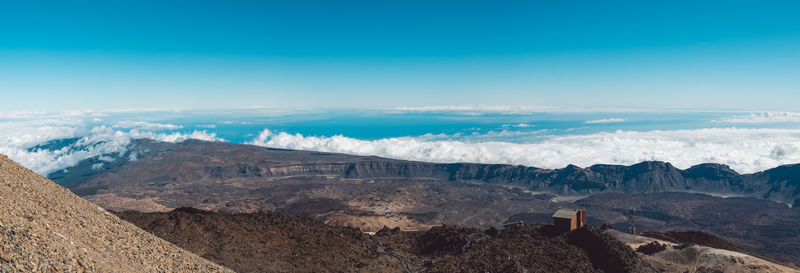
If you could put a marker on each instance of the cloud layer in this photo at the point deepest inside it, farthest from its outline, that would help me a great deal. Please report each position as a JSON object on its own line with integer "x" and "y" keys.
{"x": 519, "y": 125}
{"x": 144, "y": 125}
{"x": 765, "y": 117}
{"x": 20, "y": 136}
{"x": 471, "y": 109}
{"x": 476, "y": 108}
{"x": 745, "y": 150}
{"x": 605, "y": 120}
{"x": 105, "y": 135}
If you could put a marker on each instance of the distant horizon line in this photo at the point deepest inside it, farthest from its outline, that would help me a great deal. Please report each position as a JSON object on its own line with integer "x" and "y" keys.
{"x": 456, "y": 108}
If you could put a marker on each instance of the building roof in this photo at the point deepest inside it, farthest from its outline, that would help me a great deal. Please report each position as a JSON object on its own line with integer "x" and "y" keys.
{"x": 565, "y": 213}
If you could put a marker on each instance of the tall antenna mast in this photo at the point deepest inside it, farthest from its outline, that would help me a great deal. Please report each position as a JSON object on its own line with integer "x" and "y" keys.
{"x": 631, "y": 220}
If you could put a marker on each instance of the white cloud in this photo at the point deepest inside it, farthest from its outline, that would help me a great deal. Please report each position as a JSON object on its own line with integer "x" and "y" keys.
{"x": 133, "y": 157}
{"x": 142, "y": 110}
{"x": 471, "y": 109}
{"x": 606, "y": 120}
{"x": 19, "y": 134}
{"x": 765, "y": 117}
{"x": 145, "y": 125}
{"x": 476, "y": 108}
{"x": 21, "y": 114}
{"x": 209, "y": 126}
{"x": 745, "y": 150}
{"x": 175, "y": 137}
{"x": 106, "y": 158}
{"x": 519, "y": 125}
{"x": 784, "y": 150}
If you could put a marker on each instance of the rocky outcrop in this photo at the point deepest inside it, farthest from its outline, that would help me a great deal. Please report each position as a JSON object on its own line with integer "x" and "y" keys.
{"x": 781, "y": 183}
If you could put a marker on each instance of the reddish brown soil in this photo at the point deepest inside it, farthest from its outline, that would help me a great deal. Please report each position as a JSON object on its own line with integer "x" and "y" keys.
{"x": 263, "y": 242}
{"x": 271, "y": 242}
{"x": 606, "y": 252}
{"x": 517, "y": 249}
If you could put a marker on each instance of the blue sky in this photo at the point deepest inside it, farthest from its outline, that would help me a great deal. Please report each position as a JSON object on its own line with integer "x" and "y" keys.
{"x": 57, "y": 55}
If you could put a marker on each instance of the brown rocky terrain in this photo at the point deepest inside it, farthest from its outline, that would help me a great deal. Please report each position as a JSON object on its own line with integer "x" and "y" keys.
{"x": 667, "y": 256}
{"x": 363, "y": 192}
{"x": 46, "y": 228}
{"x": 265, "y": 242}
{"x": 693, "y": 238}
{"x": 757, "y": 225}
{"x": 271, "y": 242}
{"x": 370, "y": 192}
{"x": 202, "y": 162}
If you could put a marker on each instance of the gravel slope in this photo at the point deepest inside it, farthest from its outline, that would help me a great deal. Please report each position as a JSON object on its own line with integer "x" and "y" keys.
{"x": 46, "y": 228}
{"x": 698, "y": 259}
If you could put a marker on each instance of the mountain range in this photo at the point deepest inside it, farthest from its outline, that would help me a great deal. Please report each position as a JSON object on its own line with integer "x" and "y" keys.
{"x": 368, "y": 193}
{"x": 39, "y": 230}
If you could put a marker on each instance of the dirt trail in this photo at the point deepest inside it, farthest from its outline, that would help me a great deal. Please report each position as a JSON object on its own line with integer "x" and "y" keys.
{"x": 382, "y": 249}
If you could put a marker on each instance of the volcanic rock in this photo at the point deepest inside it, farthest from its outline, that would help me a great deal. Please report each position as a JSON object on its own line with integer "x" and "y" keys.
{"x": 44, "y": 227}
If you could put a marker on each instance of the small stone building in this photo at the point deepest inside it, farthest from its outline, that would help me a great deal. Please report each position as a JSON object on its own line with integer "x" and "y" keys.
{"x": 566, "y": 220}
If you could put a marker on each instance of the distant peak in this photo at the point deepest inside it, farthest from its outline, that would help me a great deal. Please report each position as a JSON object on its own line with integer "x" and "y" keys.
{"x": 652, "y": 163}
{"x": 712, "y": 166}
{"x": 573, "y": 167}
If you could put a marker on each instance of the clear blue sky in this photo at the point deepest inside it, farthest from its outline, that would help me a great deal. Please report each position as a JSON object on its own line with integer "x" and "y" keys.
{"x": 57, "y": 55}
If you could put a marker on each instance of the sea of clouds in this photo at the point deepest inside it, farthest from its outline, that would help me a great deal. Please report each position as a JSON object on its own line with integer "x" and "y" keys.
{"x": 22, "y": 133}
{"x": 763, "y": 117}
{"x": 744, "y": 150}
{"x": 105, "y": 135}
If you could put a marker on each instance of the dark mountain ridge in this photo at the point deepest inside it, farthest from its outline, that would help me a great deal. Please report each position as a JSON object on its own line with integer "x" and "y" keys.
{"x": 779, "y": 184}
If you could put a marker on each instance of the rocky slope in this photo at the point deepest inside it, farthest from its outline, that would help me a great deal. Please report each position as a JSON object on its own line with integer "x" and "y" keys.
{"x": 46, "y": 228}
{"x": 270, "y": 242}
{"x": 758, "y": 225}
{"x": 265, "y": 242}
{"x": 679, "y": 258}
